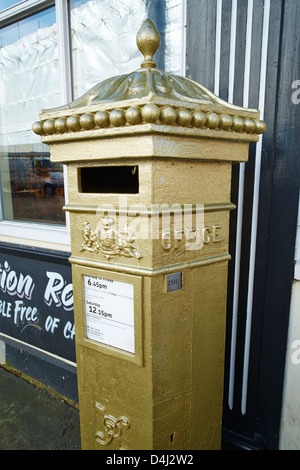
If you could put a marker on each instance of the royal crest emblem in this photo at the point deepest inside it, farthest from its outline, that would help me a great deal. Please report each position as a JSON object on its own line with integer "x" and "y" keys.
{"x": 107, "y": 239}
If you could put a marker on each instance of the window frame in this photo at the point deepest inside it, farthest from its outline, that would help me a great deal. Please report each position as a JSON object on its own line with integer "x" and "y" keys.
{"x": 23, "y": 9}
{"x": 33, "y": 233}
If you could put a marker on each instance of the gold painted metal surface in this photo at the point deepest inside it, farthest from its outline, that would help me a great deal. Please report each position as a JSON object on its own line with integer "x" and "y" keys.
{"x": 173, "y": 227}
{"x": 113, "y": 427}
{"x": 109, "y": 240}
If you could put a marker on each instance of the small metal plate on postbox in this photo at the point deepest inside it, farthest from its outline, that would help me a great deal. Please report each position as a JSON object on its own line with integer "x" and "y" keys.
{"x": 173, "y": 282}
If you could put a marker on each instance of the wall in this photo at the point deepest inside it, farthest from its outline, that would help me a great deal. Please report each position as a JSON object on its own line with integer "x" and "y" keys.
{"x": 290, "y": 420}
{"x": 247, "y": 52}
{"x": 37, "y": 335}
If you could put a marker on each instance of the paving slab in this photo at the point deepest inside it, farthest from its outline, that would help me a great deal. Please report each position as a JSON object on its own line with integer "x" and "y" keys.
{"x": 32, "y": 418}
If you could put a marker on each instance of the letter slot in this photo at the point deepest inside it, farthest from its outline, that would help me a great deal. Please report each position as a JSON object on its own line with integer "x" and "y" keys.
{"x": 109, "y": 179}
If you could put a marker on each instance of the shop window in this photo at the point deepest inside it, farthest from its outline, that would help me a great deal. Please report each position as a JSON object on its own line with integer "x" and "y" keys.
{"x": 32, "y": 187}
{"x": 36, "y": 188}
{"x": 103, "y": 38}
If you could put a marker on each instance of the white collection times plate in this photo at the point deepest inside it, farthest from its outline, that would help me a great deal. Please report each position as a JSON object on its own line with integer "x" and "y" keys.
{"x": 109, "y": 312}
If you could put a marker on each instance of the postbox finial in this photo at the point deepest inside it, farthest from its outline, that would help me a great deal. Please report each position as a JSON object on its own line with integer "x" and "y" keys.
{"x": 148, "y": 41}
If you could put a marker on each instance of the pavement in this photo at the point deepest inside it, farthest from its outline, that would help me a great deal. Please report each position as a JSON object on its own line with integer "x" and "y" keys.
{"x": 32, "y": 418}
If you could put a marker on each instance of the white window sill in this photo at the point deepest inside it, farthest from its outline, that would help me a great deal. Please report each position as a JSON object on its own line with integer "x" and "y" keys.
{"x": 36, "y": 235}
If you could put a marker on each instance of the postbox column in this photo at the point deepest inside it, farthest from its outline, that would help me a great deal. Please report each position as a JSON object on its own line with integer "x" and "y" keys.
{"x": 148, "y": 379}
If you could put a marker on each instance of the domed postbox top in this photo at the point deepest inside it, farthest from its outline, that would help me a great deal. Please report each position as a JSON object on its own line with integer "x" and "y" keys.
{"x": 148, "y": 100}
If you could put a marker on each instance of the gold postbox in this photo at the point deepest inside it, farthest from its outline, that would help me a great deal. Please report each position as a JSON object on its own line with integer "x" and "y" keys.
{"x": 149, "y": 158}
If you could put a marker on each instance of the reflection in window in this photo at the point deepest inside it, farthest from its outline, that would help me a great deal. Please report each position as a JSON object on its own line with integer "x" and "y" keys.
{"x": 37, "y": 187}
{"x": 103, "y": 38}
{"x": 32, "y": 187}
